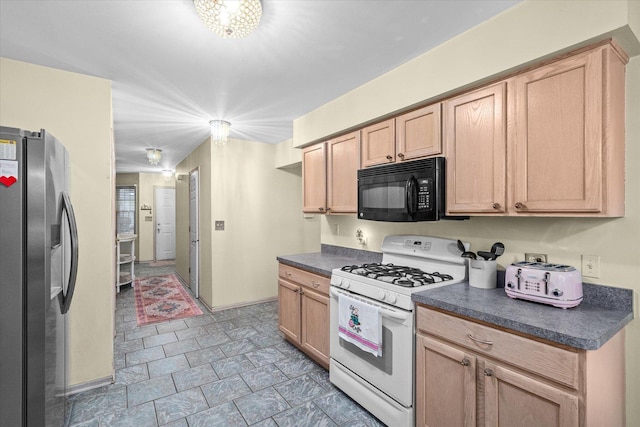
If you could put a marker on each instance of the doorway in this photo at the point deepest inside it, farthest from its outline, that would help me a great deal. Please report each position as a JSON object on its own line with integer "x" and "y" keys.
{"x": 194, "y": 236}
{"x": 165, "y": 200}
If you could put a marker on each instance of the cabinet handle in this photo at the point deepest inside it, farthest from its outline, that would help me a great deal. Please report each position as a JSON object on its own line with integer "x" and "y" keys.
{"x": 321, "y": 209}
{"x": 465, "y": 362}
{"x": 496, "y": 206}
{"x": 315, "y": 284}
{"x": 286, "y": 273}
{"x": 328, "y": 209}
{"x": 488, "y": 372}
{"x": 519, "y": 205}
{"x": 401, "y": 155}
{"x": 301, "y": 292}
{"x": 389, "y": 157}
{"x": 479, "y": 340}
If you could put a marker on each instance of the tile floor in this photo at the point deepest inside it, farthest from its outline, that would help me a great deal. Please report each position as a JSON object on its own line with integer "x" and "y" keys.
{"x": 229, "y": 368}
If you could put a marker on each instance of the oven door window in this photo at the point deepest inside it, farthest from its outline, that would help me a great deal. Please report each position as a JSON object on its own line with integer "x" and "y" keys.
{"x": 384, "y": 363}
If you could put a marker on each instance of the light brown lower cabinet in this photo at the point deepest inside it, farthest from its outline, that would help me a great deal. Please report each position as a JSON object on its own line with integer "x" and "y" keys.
{"x": 470, "y": 374}
{"x": 303, "y": 311}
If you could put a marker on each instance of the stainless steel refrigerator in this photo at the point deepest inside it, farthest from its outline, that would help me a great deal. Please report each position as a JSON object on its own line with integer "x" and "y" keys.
{"x": 38, "y": 266}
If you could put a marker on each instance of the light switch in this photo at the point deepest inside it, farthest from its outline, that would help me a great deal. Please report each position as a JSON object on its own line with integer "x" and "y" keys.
{"x": 219, "y": 226}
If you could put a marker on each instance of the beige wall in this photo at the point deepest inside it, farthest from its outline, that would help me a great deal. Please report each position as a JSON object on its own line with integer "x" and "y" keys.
{"x": 522, "y": 34}
{"x": 146, "y": 184}
{"x": 77, "y": 110}
{"x": 199, "y": 159}
{"x": 261, "y": 209}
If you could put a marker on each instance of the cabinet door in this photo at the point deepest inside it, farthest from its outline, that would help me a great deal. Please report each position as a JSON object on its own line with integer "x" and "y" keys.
{"x": 445, "y": 385}
{"x": 315, "y": 326}
{"x": 418, "y": 133}
{"x": 475, "y": 146}
{"x": 378, "y": 143}
{"x": 314, "y": 179}
{"x": 289, "y": 310}
{"x": 513, "y": 399}
{"x": 343, "y": 162}
{"x": 558, "y": 137}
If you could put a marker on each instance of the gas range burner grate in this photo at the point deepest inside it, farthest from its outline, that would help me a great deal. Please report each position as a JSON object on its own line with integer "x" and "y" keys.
{"x": 397, "y": 275}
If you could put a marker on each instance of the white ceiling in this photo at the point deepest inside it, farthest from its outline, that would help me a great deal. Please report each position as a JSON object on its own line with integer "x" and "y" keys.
{"x": 171, "y": 75}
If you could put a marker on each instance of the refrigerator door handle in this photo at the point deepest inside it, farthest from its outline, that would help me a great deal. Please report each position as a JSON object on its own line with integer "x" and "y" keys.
{"x": 65, "y": 298}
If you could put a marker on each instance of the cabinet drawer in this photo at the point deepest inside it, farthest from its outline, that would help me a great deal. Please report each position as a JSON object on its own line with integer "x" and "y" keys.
{"x": 305, "y": 278}
{"x": 554, "y": 363}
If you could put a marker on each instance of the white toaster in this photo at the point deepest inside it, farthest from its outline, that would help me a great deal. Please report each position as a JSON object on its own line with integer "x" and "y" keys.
{"x": 553, "y": 284}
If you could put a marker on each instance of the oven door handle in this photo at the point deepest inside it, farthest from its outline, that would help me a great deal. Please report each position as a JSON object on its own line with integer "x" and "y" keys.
{"x": 383, "y": 311}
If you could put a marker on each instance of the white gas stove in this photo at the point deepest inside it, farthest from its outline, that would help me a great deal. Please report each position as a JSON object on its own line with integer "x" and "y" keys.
{"x": 409, "y": 264}
{"x": 384, "y": 384}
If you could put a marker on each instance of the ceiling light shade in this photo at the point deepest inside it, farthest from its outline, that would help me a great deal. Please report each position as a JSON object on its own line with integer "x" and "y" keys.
{"x": 167, "y": 174}
{"x": 154, "y": 155}
{"x": 233, "y": 19}
{"x": 219, "y": 131}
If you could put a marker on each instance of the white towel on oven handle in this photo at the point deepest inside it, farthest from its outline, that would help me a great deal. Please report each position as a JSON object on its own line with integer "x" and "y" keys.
{"x": 360, "y": 324}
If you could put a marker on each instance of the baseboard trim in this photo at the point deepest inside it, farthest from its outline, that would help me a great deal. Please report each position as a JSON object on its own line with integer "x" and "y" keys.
{"x": 241, "y": 304}
{"x": 90, "y": 385}
{"x": 223, "y": 307}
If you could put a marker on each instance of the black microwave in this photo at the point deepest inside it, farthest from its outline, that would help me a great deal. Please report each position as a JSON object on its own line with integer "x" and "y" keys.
{"x": 403, "y": 192}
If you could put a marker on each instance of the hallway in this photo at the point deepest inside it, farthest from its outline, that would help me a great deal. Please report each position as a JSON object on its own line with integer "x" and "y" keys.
{"x": 229, "y": 368}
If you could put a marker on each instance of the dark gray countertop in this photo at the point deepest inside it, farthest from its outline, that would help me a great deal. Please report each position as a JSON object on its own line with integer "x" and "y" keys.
{"x": 603, "y": 312}
{"x": 328, "y": 258}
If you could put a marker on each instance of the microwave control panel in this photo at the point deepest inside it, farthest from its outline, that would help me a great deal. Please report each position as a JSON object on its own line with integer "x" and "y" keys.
{"x": 425, "y": 190}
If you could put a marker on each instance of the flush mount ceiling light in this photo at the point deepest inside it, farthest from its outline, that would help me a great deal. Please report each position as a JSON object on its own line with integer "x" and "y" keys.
{"x": 219, "y": 131}
{"x": 167, "y": 174}
{"x": 154, "y": 155}
{"x": 233, "y": 19}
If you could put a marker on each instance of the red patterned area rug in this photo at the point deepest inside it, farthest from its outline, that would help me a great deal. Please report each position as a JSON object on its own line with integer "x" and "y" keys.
{"x": 161, "y": 298}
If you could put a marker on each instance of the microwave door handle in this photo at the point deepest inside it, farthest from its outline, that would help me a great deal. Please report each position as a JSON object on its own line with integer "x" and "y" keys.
{"x": 412, "y": 195}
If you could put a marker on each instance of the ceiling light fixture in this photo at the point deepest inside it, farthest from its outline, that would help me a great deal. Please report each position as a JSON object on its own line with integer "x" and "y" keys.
{"x": 219, "y": 131}
{"x": 154, "y": 155}
{"x": 167, "y": 174}
{"x": 233, "y": 19}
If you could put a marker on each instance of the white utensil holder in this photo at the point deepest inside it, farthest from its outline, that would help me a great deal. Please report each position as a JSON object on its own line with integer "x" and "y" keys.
{"x": 482, "y": 273}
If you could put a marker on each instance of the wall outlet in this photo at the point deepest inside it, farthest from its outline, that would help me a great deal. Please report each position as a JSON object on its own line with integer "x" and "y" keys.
{"x": 534, "y": 257}
{"x": 591, "y": 266}
{"x": 219, "y": 226}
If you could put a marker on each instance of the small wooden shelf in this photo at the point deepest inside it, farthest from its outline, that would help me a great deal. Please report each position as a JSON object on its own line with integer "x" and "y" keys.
{"x": 125, "y": 247}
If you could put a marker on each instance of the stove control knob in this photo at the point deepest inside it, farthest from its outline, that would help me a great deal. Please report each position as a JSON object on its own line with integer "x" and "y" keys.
{"x": 392, "y": 298}
{"x": 345, "y": 283}
{"x": 381, "y": 295}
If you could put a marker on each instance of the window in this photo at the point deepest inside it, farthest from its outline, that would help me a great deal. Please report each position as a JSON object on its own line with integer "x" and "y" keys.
{"x": 125, "y": 209}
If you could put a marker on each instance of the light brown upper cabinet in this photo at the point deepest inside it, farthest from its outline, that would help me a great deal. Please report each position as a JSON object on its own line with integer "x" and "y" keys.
{"x": 314, "y": 178}
{"x": 410, "y": 136}
{"x": 568, "y": 144}
{"x": 330, "y": 175}
{"x": 475, "y": 137}
{"x": 343, "y": 162}
{"x": 562, "y": 153}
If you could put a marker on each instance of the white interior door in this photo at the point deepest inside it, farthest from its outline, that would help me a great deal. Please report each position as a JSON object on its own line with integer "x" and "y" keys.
{"x": 194, "y": 239}
{"x": 165, "y": 223}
